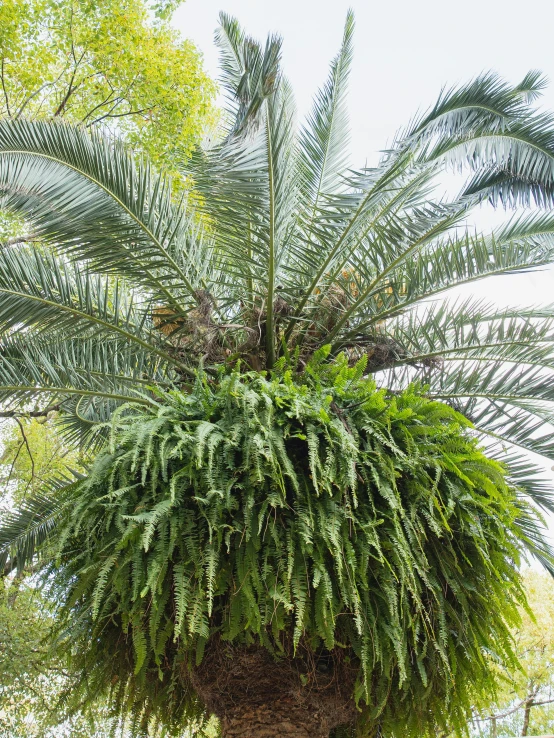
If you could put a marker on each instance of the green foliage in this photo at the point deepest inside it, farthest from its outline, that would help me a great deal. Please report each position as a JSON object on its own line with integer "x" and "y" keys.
{"x": 41, "y": 695}
{"x": 341, "y": 502}
{"x": 287, "y": 510}
{"x": 524, "y": 704}
{"x": 105, "y": 63}
{"x": 23, "y": 658}
{"x": 281, "y": 247}
{"x": 33, "y": 452}
{"x": 35, "y": 681}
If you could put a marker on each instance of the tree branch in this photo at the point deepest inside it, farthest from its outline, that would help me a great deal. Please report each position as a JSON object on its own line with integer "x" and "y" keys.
{"x": 31, "y": 97}
{"x": 543, "y": 702}
{"x": 520, "y": 704}
{"x": 28, "y": 447}
{"x": 19, "y": 239}
{"x": 12, "y": 468}
{"x": 4, "y": 88}
{"x": 71, "y": 89}
{"x": 118, "y": 115}
{"x": 31, "y": 414}
{"x": 37, "y": 92}
{"x": 107, "y": 101}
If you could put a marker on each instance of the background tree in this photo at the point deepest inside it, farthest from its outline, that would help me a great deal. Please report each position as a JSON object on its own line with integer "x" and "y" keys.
{"x": 33, "y": 453}
{"x": 113, "y": 64}
{"x": 290, "y": 522}
{"x": 35, "y": 684}
{"x": 525, "y": 704}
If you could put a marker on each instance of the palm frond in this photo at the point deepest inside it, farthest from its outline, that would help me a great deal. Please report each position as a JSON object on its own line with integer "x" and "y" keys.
{"x": 40, "y": 290}
{"x": 26, "y": 531}
{"x": 512, "y": 155}
{"x": 535, "y": 537}
{"x": 471, "y": 329}
{"x": 87, "y": 194}
{"x": 485, "y": 101}
{"x": 250, "y": 73}
{"x": 347, "y": 222}
{"x": 524, "y": 244}
{"x": 523, "y": 424}
{"x": 526, "y": 475}
{"x": 493, "y": 381}
{"x": 323, "y": 139}
{"x": 34, "y": 372}
{"x": 534, "y": 493}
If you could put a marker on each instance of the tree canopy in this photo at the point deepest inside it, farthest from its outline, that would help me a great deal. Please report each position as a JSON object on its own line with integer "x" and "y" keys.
{"x": 111, "y": 63}
{"x": 525, "y": 703}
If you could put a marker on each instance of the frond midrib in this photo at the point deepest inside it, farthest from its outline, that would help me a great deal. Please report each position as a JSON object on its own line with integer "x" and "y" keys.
{"x": 124, "y": 207}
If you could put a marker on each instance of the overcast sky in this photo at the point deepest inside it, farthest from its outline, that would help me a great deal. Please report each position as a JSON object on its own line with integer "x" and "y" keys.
{"x": 405, "y": 53}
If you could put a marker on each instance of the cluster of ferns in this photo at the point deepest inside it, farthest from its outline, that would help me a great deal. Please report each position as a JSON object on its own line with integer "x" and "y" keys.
{"x": 311, "y": 512}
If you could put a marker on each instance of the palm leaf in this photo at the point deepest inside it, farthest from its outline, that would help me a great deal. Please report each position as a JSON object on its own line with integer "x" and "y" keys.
{"x": 38, "y": 289}
{"x": 25, "y": 532}
{"x": 323, "y": 139}
{"x": 87, "y": 194}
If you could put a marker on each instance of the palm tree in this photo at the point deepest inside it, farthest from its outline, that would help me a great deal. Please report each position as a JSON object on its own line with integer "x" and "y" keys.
{"x": 135, "y": 303}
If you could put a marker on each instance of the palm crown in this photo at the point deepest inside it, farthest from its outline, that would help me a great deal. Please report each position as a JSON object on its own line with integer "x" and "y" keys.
{"x": 125, "y": 282}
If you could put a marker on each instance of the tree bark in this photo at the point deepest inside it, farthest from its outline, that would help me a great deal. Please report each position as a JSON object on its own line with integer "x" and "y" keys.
{"x": 527, "y": 717}
{"x": 264, "y": 722}
{"x": 258, "y": 696}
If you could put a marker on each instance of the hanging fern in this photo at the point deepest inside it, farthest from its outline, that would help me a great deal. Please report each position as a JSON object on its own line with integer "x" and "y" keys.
{"x": 306, "y": 513}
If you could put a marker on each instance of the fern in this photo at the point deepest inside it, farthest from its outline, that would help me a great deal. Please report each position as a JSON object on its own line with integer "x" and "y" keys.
{"x": 308, "y": 510}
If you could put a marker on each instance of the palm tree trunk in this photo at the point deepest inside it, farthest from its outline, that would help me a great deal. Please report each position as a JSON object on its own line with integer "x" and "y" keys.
{"x": 269, "y": 722}
{"x": 257, "y": 696}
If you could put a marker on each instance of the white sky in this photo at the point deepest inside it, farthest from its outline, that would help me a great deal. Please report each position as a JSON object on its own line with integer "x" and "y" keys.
{"x": 405, "y": 52}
